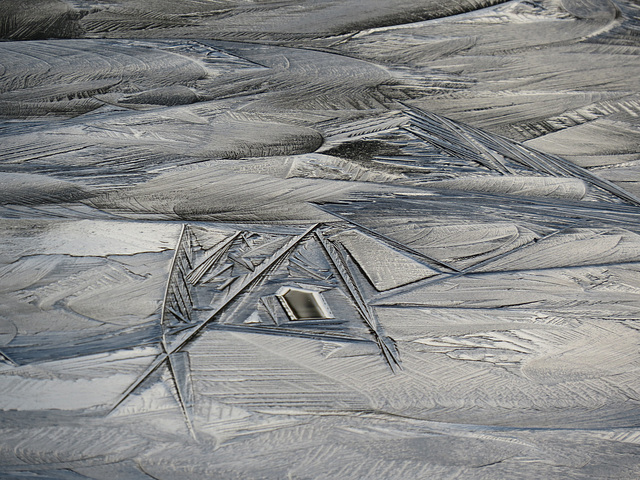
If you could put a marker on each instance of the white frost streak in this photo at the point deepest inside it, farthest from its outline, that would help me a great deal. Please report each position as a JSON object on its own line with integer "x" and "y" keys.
{"x": 71, "y": 385}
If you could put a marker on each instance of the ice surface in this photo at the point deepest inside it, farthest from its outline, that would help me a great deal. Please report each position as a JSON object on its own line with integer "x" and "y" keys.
{"x": 365, "y": 239}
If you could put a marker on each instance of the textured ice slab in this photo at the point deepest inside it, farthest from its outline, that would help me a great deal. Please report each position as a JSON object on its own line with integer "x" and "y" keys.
{"x": 359, "y": 239}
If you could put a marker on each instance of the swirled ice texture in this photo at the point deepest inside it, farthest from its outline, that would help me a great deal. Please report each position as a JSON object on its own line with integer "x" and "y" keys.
{"x": 360, "y": 239}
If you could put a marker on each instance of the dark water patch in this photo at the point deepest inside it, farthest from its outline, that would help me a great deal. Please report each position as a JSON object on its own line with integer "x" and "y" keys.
{"x": 44, "y": 347}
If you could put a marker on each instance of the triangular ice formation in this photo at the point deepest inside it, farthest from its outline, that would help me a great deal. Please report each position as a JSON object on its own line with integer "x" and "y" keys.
{"x": 386, "y": 267}
{"x": 304, "y": 284}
